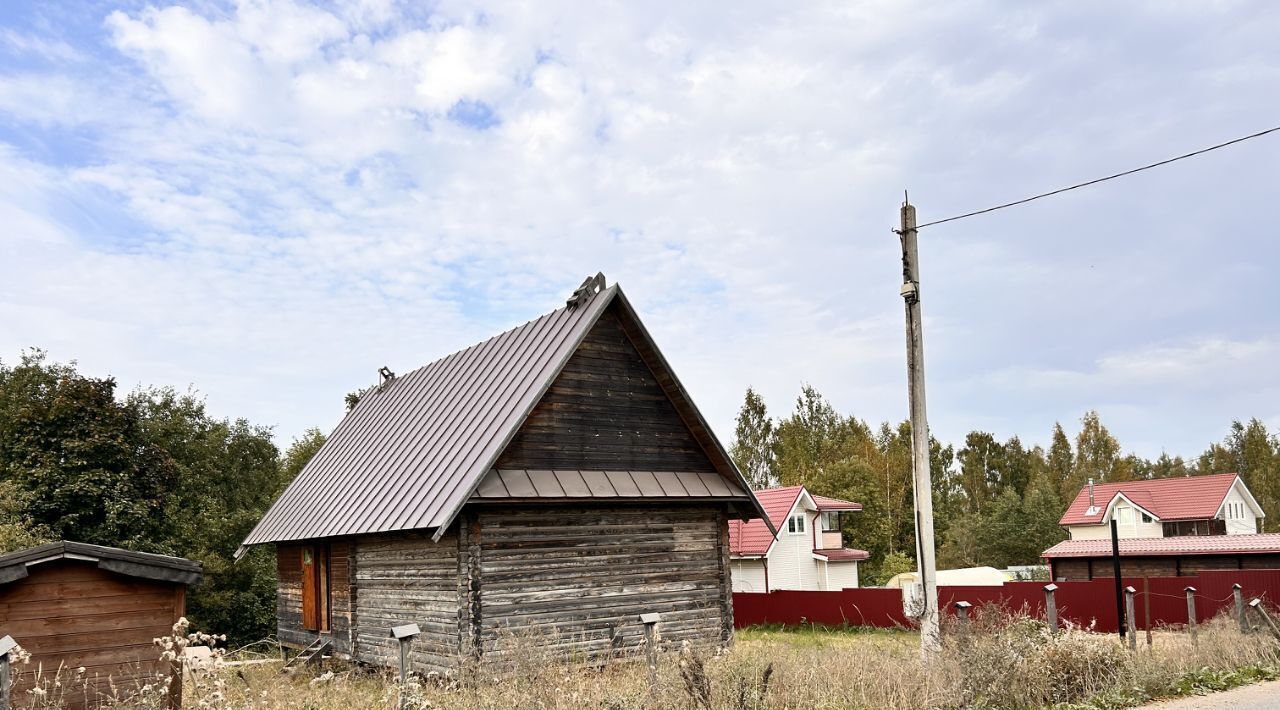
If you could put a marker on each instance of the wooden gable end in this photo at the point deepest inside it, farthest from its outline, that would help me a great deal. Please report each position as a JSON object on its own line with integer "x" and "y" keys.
{"x": 606, "y": 411}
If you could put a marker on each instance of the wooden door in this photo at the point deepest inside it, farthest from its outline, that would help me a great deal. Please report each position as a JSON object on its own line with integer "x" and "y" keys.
{"x": 310, "y": 620}
{"x": 315, "y": 587}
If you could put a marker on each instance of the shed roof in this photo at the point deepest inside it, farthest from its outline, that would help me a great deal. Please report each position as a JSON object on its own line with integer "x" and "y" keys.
{"x": 416, "y": 449}
{"x": 1169, "y": 499}
{"x": 15, "y": 565}
{"x": 1165, "y": 546}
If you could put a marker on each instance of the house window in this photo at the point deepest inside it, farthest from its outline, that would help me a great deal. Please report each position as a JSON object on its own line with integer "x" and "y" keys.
{"x": 1146, "y": 518}
{"x": 830, "y": 522}
{"x": 1125, "y": 516}
{"x": 795, "y": 525}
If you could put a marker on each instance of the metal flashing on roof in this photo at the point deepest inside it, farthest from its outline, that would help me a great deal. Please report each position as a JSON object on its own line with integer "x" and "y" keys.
{"x": 410, "y": 456}
{"x": 14, "y": 565}
{"x": 506, "y": 484}
{"x": 1260, "y": 543}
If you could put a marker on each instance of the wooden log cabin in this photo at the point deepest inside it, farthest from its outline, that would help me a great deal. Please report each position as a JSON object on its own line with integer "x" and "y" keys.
{"x": 554, "y": 482}
{"x": 73, "y": 605}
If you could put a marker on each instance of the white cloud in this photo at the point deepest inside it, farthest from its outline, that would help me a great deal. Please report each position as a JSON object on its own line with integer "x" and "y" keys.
{"x": 274, "y": 200}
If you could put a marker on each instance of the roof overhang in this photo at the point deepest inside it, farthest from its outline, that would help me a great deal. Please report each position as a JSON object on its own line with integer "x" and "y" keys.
{"x": 1119, "y": 496}
{"x": 1238, "y": 485}
{"x": 161, "y": 568}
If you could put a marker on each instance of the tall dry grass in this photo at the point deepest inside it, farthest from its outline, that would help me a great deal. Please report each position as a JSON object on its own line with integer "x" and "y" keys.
{"x": 1005, "y": 661}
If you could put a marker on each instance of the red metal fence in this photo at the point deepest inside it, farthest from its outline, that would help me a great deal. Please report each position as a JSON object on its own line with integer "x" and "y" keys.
{"x": 1091, "y": 603}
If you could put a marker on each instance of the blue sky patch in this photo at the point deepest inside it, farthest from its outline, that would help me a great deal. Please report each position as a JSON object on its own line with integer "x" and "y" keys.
{"x": 474, "y": 114}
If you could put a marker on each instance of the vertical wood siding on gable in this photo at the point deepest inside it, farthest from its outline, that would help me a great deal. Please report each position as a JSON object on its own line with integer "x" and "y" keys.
{"x": 605, "y": 411}
{"x": 1244, "y": 524}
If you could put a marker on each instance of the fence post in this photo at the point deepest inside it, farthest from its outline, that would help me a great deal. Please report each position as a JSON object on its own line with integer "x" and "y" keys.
{"x": 1129, "y": 617}
{"x": 1146, "y": 608}
{"x": 651, "y": 651}
{"x": 7, "y": 644}
{"x": 1239, "y": 595}
{"x": 404, "y": 635}
{"x": 1191, "y": 614}
{"x": 1256, "y": 605}
{"x": 962, "y": 619}
{"x": 1051, "y": 607}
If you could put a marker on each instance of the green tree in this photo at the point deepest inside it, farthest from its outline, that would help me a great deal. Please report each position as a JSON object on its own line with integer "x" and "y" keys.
{"x": 153, "y": 472}
{"x": 811, "y": 438}
{"x": 79, "y": 458}
{"x": 893, "y": 564}
{"x": 299, "y": 453}
{"x": 1061, "y": 463}
{"x": 1250, "y": 450}
{"x": 754, "y": 443}
{"x": 978, "y": 473}
{"x": 1098, "y": 454}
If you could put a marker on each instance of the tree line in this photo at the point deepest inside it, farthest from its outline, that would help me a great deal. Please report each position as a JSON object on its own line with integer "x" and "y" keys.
{"x": 150, "y": 471}
{"x": 996, "y": 502}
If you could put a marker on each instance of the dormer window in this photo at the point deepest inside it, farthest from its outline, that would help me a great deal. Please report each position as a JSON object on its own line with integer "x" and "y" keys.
{"x": 795, "y": 525}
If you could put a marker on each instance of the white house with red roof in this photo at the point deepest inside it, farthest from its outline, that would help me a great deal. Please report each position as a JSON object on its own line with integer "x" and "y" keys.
{"x": 1167, "y": 527}
{"x": 808, "y": 551}
{"x": 1219, "y": 504}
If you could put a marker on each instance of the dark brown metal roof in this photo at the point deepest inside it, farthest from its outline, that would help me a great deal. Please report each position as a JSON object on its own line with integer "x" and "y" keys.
{"x": 413, "y": 451}
{"x": 505, "y": 484}
{"x": 14, "y": 565}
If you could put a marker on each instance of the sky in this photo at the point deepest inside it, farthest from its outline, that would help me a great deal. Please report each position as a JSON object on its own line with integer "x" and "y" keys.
{"x": 268, "y": 200}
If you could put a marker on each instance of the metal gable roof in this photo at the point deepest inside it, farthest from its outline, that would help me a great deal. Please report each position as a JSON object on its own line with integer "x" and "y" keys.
{"x": 1169, "y": 499}
{"x": 414, "y": 450}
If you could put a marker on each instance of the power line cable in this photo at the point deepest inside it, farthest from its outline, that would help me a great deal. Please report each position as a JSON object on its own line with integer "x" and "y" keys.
{"x": 1102, "y": 179}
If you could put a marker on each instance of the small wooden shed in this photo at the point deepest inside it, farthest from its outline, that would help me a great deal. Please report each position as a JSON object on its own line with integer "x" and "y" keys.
{"x": 555, "y": 481}
{"x": 74, "y": 605}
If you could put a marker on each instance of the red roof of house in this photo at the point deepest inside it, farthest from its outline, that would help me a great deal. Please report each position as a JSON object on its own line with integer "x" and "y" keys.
{"x": 843, "y": 555}
{"x": 1158, "y": 546}
{"x": 1184, "y": 498}
{"x": 752, "y": 537}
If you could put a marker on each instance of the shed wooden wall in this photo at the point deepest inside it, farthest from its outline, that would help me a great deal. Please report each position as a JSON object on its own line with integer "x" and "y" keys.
{"x": 73, "y": 614}
{"x": 341, "y": 594}
{"x": 606, "y": 411}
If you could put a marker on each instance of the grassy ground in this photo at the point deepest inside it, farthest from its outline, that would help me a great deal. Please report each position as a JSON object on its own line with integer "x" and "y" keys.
{"x": 1003, "y": 663}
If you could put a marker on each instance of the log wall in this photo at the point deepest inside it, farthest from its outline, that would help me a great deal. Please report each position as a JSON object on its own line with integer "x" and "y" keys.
{"x": 71, "y": 614}
{"x": 606, "y": 411}
{"x": 342, "y": 596}
{"x": 573, "y": 581}
{"x": 408, "y": 579}
{"x": 568, "y": 581}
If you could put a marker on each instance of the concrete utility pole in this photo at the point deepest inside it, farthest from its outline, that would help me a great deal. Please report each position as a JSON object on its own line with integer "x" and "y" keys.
{"x": 930, "y": 639}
